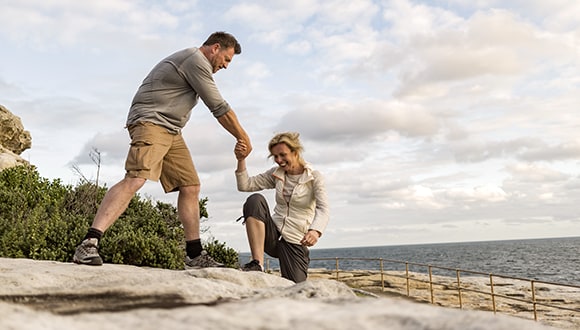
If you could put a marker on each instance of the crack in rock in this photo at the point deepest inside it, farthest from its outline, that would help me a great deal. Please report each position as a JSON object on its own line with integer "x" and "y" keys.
{"x": 71, "y": 304}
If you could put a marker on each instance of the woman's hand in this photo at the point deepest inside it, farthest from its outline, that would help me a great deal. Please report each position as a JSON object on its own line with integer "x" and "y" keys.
{"x": 241, "y": 150}
{"x": 310, "y": 238}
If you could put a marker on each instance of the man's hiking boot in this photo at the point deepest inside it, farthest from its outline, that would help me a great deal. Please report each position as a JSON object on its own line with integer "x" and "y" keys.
{"x": 252, "y": 266}
{"x": 87, "y": 253}
{"x": 201, "y": 261}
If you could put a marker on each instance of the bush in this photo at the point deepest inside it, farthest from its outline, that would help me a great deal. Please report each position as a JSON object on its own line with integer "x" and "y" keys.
{"x": 221, "y": 253}
{"x": 32, "y": 224}
{"x": 145, "y": 235}
{"x": 42, "y": 219}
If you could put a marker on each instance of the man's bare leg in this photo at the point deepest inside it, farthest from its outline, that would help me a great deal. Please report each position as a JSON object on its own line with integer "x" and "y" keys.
{"x": 188, "y": 211}
{"x": 113, "y": 205}
{"x": 115, "y": 202}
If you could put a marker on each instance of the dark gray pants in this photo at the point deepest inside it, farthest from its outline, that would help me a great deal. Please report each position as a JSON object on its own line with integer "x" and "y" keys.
{"x": 294, "y": 258}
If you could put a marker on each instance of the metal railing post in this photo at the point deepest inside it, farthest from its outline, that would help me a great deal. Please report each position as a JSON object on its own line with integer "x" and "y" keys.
{"x": 459, "y": 289}
{"x": 492, "y": 293}
{"x": 382, "y": 276}
{"x": 534, "y": 301}
{"x": 407, "y": 277}
{"x": 431, "y": 284}
{"x": 337, "y": 269}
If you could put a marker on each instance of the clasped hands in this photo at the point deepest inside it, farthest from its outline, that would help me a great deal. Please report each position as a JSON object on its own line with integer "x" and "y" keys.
{"x": 241, "y": 150}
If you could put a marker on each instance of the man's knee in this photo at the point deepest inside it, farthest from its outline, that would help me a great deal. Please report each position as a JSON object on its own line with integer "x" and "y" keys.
{"x": 190, "y": 190}
{"x": 133, "y": 183}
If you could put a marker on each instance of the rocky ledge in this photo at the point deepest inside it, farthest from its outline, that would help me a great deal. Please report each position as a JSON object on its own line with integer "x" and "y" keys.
{"x": 54, "y": 295}
{"x": 13, "y": 139}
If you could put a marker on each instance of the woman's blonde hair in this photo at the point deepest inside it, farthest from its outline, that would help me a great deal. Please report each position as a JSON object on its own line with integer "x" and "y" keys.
{"x": 292, "y": 140}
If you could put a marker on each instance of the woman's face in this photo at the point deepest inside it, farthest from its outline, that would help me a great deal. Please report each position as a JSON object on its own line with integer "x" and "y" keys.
{"x": 285, "y": 158}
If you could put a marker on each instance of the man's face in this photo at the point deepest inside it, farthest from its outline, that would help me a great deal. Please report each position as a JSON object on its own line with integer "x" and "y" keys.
{"x": 220, "y": 57}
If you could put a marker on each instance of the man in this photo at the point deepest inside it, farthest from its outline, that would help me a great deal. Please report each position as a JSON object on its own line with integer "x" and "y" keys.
{"x": 160, "y": 109}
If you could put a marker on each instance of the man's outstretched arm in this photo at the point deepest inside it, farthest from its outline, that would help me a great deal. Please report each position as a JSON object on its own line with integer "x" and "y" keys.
{"x": 230, "y": 122}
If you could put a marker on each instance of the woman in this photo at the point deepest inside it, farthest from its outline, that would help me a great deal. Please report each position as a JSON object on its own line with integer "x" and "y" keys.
{"x": 300, "y": 214}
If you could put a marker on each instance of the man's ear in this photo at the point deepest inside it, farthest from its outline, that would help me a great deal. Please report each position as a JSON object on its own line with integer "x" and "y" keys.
{"x": 215, "y": 48}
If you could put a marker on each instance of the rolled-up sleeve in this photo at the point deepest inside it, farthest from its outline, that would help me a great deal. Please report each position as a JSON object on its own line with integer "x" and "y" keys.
{"x": 201, "y": 80}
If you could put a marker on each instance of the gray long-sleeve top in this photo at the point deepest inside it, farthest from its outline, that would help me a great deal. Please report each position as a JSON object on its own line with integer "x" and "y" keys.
{"x": 172, "y": 88}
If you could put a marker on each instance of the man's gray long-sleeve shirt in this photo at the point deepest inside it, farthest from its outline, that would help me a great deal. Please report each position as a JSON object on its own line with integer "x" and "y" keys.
{"x": 171, "y": 90}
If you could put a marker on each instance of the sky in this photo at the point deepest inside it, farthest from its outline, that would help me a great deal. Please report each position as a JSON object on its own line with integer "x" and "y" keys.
{"x": 431, "y": 121}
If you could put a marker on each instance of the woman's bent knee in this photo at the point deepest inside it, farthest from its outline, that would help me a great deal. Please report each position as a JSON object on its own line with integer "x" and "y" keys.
{"x": 255, "y": 199}
{"x": 256, "y": 206}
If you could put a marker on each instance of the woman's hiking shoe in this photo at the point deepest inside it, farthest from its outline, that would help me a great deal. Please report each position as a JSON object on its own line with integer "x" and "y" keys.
{"x": 201, "y": 261}
{"x": 252, "y": 266}
{"x": 87, "y": 253}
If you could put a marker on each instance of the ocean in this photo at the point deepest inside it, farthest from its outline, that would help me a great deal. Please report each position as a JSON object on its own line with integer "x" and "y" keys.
{"x": 549, "y": 259}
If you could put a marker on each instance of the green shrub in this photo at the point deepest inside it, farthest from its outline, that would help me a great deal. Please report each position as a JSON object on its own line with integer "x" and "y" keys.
{"x": 221, "y": 253}
{"x": 43, "y": 219}
{"x": 145, "y": 235}
{"x": 32, "y": 224}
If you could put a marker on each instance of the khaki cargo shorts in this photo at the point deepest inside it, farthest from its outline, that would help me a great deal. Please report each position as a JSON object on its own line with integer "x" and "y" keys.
{"x": 158, "y": 155}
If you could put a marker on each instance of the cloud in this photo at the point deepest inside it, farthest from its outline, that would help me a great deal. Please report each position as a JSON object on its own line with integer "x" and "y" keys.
{"x": 112, "y": 148}
{"x": 348, "y": 121}
{"x": 54, "y": 24}
{"x": 70, "y": 113}
{"x": 535, "y": 173}
{"x": 8, "y": 88}
{"x": 277, "y": 21}
{"x": 563, "y": 151}
{"x": 563, "y": 18}
{"x": 472, "y": 151}
{"x": 494, "y": 43}
{"x": 487, "y": 193}
{"x": 525, "y": 148}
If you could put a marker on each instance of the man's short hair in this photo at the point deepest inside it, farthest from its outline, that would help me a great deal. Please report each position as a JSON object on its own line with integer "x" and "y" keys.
{"x": 225, "y": 40}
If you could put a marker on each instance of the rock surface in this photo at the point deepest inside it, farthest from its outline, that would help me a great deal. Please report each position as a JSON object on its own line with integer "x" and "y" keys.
{"x": 13, "y": 139}
{"x": 557, "y": 305}
{"x": 54, "y": 295}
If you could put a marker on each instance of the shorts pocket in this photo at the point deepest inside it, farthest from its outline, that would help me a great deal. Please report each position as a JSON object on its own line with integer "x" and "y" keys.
{"x": 140, "y": 154}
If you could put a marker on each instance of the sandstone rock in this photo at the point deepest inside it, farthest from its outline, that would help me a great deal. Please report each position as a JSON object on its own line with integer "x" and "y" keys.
{"x": 54, "y": 295}
{"x": 13, "y": 139}
{"x": 9, "y": 159}
{"x": 558, "y": 301}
